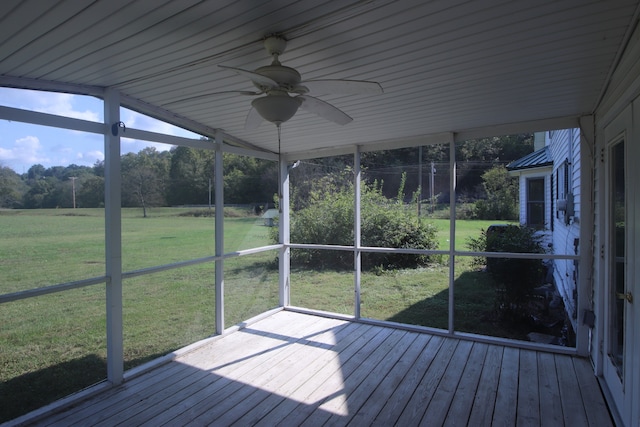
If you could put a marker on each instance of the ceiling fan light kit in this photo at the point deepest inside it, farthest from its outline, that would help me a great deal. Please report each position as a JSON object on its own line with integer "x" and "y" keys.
{"x": 277, "y": 81}
{"x": 276, "y": 108}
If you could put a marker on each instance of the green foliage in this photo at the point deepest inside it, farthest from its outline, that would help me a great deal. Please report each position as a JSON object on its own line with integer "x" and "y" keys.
{"x": 249, "y": 180}
{"x": 517, "y": 277}
{"x": 501, "y": 148}
{"x": 182, "y": 175}
{"x": 12, "y": 188}
{"x": 466, "y": 211}
{"x": 90, "y": 193}
{"x": 329, "y": 219}
{"x": 144, "y": 178}
{"x": 190, "y": 173}
{"x": 501, "y": 195}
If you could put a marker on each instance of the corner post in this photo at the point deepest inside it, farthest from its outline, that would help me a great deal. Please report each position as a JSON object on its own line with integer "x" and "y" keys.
{"x": 113, "y": 237}
{"x": 357, "y": 262}
{"x": 284, "y": 235}
{"x": 452, "y": 231}
{"x": 219, "y": 230}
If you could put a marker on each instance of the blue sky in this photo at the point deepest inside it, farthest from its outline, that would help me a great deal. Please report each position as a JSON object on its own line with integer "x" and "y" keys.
{"x": 23, "y": 145}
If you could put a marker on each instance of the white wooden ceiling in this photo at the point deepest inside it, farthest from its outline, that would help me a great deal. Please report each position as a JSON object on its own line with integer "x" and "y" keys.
{"x": 445, "y": 65}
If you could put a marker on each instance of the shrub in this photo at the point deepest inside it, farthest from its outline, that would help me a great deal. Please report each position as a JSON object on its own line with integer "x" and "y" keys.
{"x": 328, "y": 218}
{"x": 516, "y": 277}
{"x": 466, "y": 211}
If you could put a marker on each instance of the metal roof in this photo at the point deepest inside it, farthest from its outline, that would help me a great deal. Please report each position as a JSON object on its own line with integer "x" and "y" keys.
{"x": 445, "y": 65}
{"x": 537, "y": 159}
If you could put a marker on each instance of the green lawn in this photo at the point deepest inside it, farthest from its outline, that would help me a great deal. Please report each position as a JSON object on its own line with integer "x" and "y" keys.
{"x": 42, "y": 339}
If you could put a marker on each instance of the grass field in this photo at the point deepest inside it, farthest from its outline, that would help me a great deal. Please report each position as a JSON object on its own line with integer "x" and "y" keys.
{"x": 42, "y": 339}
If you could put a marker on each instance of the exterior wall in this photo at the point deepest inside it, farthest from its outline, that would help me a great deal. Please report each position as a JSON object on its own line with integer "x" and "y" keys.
{"x": 562, "y": 182}
{"x": 623, "y": 89}
{"x": 621, "y": 95}
{"x": 564, "y": 146}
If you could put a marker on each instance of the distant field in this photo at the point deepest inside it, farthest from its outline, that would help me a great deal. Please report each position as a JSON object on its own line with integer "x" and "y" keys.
{"x": 42, "y": 339}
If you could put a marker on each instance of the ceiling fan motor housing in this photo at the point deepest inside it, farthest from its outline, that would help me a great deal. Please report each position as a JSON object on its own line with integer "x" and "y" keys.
{"x": 286, "y": 77}
{"x": 275, "y": 45}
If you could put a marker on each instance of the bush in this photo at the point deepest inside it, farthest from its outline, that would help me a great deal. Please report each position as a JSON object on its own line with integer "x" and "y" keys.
{"x": 466, "y": 211}
{"x": 329, "y": 219}
{"x": 501, "y": 195}
{"x": 517, "y": 277}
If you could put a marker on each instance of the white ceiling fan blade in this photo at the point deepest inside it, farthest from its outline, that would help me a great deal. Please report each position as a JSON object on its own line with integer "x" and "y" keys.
{"x": 324, "y": 110}
{"x": 258, "y": 79}
{"x": 347, "y": 87}
{"x": 254, "y": 120}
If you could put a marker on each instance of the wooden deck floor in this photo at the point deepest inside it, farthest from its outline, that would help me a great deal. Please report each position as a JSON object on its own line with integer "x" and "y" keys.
{"x": 295, "y": 369}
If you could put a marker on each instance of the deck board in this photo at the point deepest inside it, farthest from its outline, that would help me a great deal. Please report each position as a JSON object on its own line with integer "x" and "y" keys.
{"x": 467, "y": 387}
{"x": 485, "y": 396}
{"x": 504, "y": 413}
{"x": 550, "y": 407}
{"x": 294, "y": 369}
{"x": 528, "y": 410}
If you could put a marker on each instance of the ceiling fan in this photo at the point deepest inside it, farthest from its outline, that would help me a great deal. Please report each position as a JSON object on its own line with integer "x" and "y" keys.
{"x": 277, "y": 82}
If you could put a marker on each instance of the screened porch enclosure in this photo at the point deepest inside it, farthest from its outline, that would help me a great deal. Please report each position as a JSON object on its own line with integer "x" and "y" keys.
{"x": 100, "y": 299}
{"x": 235, "y": 280}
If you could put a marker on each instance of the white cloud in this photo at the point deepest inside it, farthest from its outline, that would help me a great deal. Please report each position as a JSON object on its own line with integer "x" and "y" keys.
{"x": 62, "y": 104}
{"x": 142, "y": 122}
{"x": 90, "y": 157}
{"x": 24, "y": 150}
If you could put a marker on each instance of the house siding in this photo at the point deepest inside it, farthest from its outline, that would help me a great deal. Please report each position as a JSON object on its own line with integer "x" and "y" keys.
{"x": 564, "y": 146}
{"x": 624, "y": 86}
{"x": 621, "y": 96}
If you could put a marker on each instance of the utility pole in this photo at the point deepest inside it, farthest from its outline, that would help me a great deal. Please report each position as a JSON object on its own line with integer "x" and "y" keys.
{"x": 420, "y": 180}
{"x": 433, "y": 173}
{"x": 209, "y": 193}
{"x": 73, "y": 189}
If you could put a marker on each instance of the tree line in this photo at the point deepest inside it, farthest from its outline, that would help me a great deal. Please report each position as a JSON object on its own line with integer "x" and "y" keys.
{"x": 185, "y": 176}
{"x": 180, "y": 176}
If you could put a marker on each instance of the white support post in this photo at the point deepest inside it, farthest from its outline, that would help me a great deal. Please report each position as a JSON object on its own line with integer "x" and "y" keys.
{"x": 357, "y": 262}
{"x": 284, "y": 235}
{"x": 219, "y": 227}
{"x": 587, "y": 216}
{"x": 113, "y": 237}
{"x": 452, "y": 231}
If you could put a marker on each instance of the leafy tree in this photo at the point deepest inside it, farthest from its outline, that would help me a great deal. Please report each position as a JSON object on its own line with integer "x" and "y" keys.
{"x": 249, "y": 180}
{"x": 144, "y": 176}
{"x": 35, "y": 172}
{"x": 90, "y": 193}
{"x": 41, "y": 193}
{"x": 503, "y": 148}
{"x": 12, "y": 188}
{"x": 501, "y": 195}
{"x": 190, "y": 172}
